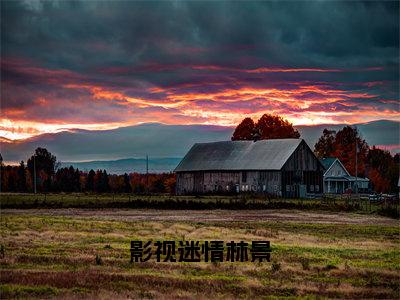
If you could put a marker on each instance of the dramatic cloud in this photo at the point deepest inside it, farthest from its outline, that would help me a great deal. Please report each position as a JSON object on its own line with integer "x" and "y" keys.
{"x": 103, "y": 65}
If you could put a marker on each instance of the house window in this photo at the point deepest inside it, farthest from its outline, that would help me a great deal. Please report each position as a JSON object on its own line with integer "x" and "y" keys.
{"x": 311, "y": 188}
{"x": 316, "y": 188}
{"x": 244, "y": 176}
{"x": 264, "y": 188}
{"x": 227, "y": 187}
{"x": 287, "y": 188}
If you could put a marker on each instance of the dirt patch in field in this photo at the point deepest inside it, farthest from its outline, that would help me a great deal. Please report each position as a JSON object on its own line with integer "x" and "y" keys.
{"x": 295, "y": 216}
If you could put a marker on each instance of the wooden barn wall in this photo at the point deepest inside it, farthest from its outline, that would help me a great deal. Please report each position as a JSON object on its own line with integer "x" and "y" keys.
{"x": 301, "y": 174}
{"x": 302, "y": 170}
{"x": 231, "y": 182}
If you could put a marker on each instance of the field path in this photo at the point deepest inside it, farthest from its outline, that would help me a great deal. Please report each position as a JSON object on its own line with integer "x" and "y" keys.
{"x": 282, "y": 215}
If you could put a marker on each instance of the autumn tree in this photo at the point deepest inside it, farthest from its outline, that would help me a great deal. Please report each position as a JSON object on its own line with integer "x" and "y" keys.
{"x": 325, "y": 145}
{"x": 383, "y": 171}
{"x": 275, "y": 127}
{"x": 21, "y": 178}
{"x": 244, "y": 131}
{"x": 89, "y": 185}
{"x": 127, "y": 184}
{"x": 45, "y": 166}
{"x": 102, "y": 182}
{"x": 267, "y": 127}
{"x": 347, "y": 140}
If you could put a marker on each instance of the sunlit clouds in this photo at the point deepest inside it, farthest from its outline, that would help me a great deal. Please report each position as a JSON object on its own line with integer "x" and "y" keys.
{"x": 55, "y": 100}
{"x": 102, "y": 65}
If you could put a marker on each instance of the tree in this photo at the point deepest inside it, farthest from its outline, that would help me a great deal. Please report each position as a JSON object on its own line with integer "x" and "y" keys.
{"x": 275, "y": 127}
{"x": 90, "y": 181}
{"x": 325, "y": 145}
{"x": 101, "y": 182}
{"x": 383, "y": 171}
{"x": 21, "y": 178}
{"x": 45, "y": 164}
{"x": 127, "y": 184}
{"x": 244, "y": 131}
{"x": 347, "y": 140}
{"x": 267, "y": 127}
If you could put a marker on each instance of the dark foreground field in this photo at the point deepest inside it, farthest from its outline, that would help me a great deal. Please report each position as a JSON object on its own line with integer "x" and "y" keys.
{"x": 50, "y": 253}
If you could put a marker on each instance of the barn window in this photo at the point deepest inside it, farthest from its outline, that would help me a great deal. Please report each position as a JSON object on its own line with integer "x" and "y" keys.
{"x": 244, "y": 176}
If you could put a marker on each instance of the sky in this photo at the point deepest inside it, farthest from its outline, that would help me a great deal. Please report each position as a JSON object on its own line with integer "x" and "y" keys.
{"x": 101, "y": 65}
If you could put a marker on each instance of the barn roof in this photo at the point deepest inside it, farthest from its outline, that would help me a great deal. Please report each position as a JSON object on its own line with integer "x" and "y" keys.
{"x": 239, "y": 155}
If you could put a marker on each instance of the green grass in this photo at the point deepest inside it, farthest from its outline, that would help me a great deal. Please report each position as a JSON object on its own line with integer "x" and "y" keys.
{"x": 80, "y": 200}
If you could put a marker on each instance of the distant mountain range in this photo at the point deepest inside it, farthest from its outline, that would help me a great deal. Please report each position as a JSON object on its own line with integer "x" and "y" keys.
{"x": 127, "y": 165}
{"x": 164, "y": 144}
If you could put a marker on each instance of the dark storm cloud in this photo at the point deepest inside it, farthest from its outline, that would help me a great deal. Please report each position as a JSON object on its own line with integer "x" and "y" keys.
{"x": 189, "y": 62}
{"x": 78, "y": 35}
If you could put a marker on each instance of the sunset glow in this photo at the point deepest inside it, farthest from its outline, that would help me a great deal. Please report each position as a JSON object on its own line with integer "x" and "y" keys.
{"x": 122, "y": 75}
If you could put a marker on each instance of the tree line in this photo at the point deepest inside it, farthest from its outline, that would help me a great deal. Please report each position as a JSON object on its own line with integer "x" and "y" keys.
{"x": 51, "y": 178}
{"x": 378, "y": 165}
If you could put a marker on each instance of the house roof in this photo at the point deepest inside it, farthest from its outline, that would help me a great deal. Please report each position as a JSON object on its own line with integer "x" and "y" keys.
{"x": 239, "y": 155}
{"x": 328, "y": 162}
{"x": 345, "y": 178}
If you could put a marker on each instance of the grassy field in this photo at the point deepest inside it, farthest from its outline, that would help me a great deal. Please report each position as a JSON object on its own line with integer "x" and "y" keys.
{"x": 52, "y": 253}
{"x": 166, "y": 201}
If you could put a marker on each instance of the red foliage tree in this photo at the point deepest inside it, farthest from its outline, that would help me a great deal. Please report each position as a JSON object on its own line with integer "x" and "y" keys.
{"x": 267, "y": 127}
{"x": 275, "y": 127}
{"x": 325, "y": 145}
{"x": 244, "y": 131}
{"x": 345, "y": 149}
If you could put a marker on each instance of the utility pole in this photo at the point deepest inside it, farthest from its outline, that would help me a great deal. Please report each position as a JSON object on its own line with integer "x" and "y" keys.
{"x": 356, "y": 188}
{"x": 147, "y": 172}
{"x": 34, "y": 173}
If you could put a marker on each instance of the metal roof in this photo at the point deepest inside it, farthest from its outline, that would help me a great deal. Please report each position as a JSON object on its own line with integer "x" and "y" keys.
{"x": 239, "y": 155}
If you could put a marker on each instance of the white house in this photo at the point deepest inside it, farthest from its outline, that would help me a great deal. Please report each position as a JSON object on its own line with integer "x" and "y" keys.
{"x": 337, "y": 180}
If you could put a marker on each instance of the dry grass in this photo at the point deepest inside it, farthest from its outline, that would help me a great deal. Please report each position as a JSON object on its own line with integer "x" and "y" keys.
{"x": 54, "y": 256}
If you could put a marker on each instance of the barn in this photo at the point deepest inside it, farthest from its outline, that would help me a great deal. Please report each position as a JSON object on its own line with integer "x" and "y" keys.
{"x": 279, "y": 167}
